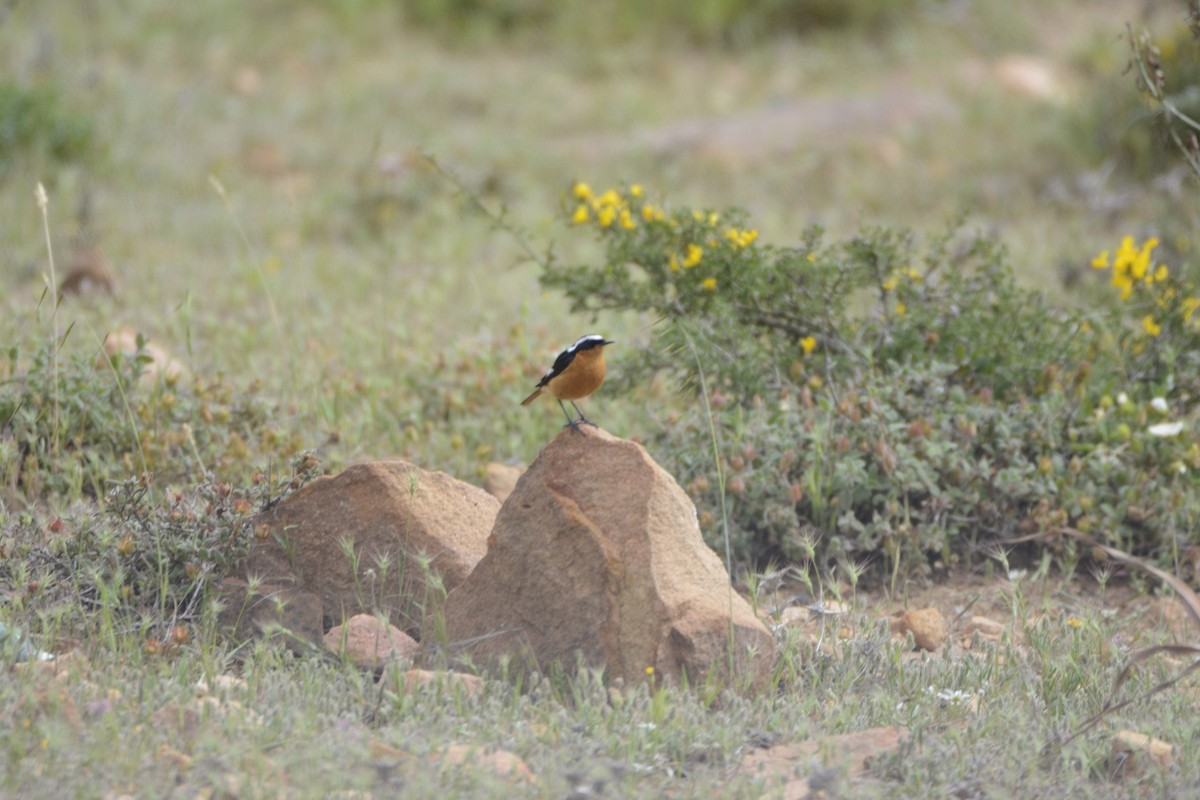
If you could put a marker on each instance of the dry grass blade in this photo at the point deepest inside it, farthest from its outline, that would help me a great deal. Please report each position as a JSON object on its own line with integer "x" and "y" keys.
{"x": 1190, "y": 601}
{"x": 1141, "y": 655}
{"x": 1184, "y": 592}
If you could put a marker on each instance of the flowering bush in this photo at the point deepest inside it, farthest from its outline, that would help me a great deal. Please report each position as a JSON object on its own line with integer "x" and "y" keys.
{"x": 1162, "y": 349}
{"x": 874, "y": 396}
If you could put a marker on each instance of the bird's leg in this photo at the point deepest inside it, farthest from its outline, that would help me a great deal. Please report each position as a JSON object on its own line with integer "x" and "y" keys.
{"x": 572, "y": 424}
{"x": 582, "y": 419}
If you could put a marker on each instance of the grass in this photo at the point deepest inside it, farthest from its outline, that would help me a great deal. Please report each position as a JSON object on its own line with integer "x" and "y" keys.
{"x": 257, "y": 182}
{"x": 309, "y": 728}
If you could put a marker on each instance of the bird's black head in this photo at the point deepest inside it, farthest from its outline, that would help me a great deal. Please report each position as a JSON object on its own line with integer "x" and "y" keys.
{"x": 589, "y": 342}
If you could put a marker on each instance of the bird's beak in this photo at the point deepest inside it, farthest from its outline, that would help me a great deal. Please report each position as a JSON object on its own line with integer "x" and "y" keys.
{"x": 607, "y": 342}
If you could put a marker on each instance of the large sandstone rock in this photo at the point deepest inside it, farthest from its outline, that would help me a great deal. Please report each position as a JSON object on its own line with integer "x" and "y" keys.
{"x": 598, "y": 552}
{"x": 271, "y": 611}
{"x": 358, "y": 540}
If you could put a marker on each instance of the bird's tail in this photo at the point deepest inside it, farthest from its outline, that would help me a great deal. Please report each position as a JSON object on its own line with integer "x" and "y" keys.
{"x": 529, "y": 399}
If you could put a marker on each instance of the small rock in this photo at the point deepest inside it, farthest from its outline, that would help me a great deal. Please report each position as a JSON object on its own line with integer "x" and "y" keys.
{"x": 1031, "y": 77}
{"x": 221, "y": 686}
{"x": 502, "y": 762}
{"x": 1130, "y": 751}
{"x": 418, "y": 678}
{"x": 160, "y": 366}
{"x": 182, "y": 762}
{"x": 69, "y": 664}
{"x": 247, "y": 81}
{"x": 821, "y": 761}
{"x": 986, "y": 628}
{"x": 501, "y": 479}
{"x": 88, "y": 273}
{"x": 369, "y": 642}
{"x": 796, "y": 616}
{"x": 927, "y": 626}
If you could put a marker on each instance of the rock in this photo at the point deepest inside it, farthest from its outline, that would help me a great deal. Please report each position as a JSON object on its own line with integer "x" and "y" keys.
{"x": 247, "y": 81}
{"x": 501, "y": 762}
{"x": 273, "y": 610}
{"x": 366, "y": 540}
{"x": 59, "y": 667}
{"x": 88, "y": 273}
{"x": 598, "y": 553}
{"x": 415, "y": 679}
{"x": 927, "y": 626}
{"x": 807, "y": 769}
{"x": 1031, "y": 77}
{"x": 987, "y": 628}
{"x": 369, "y": 642}
{"x": 1130, "y": 750}
{"x": 1169, "y": 613}
{"x": 159, "y": 366}
{"x": 501, "y": 479}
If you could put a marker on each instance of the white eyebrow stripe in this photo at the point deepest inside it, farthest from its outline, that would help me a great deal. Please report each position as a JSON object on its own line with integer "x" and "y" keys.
{"x": 591, "y": 337}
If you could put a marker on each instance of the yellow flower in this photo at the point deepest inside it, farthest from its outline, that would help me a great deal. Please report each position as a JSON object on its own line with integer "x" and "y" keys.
{"x": 609, "y": 199}
{"x": 812, "y": 258}
{"x": 808, "y": 344}
{"x": 694, "y": 253}
{"x": 648, "y": 213}
{"x": 627, "y": 219}
{"x": 580, "y": 216}
{"x": 891, "y": 283}
{"x": 713, "y": 218}
{"x": 582, "y": 191}
{"x": 1150, "y": 326}
{"x": 650, "y": 671}
{"x": 741, "y": 239}
{"x": 1161, "y": 273}
{"x": 673, "y": 263}
{"x": 1122, "y": 281}
{"x": 709, "y": 283}
{"x": 1100, "y": 261}
{"x": 901, "y": 309}
{"x": 698, "y": 215}
{"x": 1075, "y": 622}
{"x": 635, "y": 190}
{"x": 1189, "y": 308}
{"x": 605, "y": 216}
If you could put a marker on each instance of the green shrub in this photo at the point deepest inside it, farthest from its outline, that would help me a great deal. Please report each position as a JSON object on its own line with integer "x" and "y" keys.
{"x": 34, "y": 125}
{"x": 881, "y": 397}
{"x": 69, "y": 426}
{"x": 152, "y": 553}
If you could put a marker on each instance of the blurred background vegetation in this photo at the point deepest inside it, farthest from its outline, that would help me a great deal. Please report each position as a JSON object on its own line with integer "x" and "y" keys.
{"x": 288, "y": 199}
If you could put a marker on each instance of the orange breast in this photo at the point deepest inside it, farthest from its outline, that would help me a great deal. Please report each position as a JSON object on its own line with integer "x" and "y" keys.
{"x": 581, "y": 378}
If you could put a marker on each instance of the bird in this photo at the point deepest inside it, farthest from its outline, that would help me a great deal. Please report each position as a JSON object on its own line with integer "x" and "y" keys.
{"x": 577, "y": 372}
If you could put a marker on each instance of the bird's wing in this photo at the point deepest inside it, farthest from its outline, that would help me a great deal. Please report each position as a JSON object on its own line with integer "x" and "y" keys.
{"x": 561, "y": 363}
